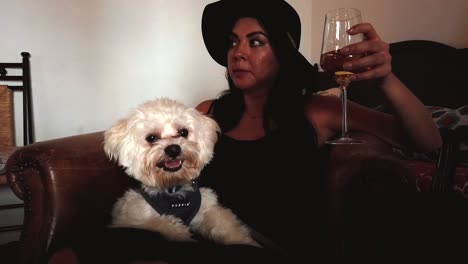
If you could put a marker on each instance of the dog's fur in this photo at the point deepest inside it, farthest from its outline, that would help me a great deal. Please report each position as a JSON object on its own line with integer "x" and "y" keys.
{"x": 141, "y": 143}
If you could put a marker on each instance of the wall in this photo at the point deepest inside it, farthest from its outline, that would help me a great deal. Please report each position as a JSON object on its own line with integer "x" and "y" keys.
{"x": 93, "y": 60}
{"x": 397, "y": 20}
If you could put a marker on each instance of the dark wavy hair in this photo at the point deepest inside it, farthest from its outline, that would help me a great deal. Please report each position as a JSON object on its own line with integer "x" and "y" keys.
{"x": 285, "y": 105}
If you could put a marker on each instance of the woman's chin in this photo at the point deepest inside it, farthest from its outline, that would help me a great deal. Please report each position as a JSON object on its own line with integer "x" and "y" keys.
{"x": 243, "y": 84}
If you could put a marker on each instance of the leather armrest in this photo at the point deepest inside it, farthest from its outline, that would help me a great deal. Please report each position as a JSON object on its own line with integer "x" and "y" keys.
{"x": 356, "y": 170}
{"x": 68, "y": 185}
{"x": 343, "y": 161}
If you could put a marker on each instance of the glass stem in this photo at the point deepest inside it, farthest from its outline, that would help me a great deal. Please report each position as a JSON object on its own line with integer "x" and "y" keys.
{"x": 344, "y": 104}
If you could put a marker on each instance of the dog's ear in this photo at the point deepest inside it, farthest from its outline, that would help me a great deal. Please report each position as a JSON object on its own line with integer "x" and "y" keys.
{"x": 211, "y": 131}
{"x": 114, "y": 139}
{"x": 206, "y": 130}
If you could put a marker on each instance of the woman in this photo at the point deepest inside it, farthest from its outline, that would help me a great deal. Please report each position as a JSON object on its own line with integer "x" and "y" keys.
{"x": 269, "y": 117}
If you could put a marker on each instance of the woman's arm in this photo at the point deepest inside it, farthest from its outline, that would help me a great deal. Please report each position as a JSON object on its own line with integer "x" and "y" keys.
{"x": 204, "y": 106}
{"x": 324, "y": 112}
{"x": 410, "y": 113}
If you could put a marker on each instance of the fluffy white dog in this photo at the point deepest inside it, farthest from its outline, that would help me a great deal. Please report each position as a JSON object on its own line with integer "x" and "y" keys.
{"x": 164, "y": 145}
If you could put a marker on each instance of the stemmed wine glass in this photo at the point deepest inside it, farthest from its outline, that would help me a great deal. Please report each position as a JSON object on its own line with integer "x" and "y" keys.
{"x": 335, "y": 37}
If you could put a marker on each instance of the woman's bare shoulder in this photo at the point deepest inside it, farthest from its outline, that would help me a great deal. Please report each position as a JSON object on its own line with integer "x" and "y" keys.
{"x": 322, "y": 111}
{"x": 204, "y": 106}
{"x": 319, "y": 102}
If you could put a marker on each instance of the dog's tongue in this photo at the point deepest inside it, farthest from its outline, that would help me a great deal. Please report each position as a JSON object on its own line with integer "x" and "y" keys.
{"x": 172, "y": 164}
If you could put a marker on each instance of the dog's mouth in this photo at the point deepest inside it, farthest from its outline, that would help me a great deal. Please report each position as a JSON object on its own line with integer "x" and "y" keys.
{"x": 170, "y": 165}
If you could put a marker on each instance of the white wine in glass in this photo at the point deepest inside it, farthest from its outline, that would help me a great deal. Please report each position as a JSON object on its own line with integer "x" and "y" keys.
{"x": 335, "y": 37}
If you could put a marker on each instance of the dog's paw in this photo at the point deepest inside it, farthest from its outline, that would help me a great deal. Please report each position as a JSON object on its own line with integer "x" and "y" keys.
{"x": 177, "y": 234}
{"x": 243, "y": 239}
{"x": 170, "y": 227}
{"x": 222, "y": 226}
{"x": 253, "y": 243}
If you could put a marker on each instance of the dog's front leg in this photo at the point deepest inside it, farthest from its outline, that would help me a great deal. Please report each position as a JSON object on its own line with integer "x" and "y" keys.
{"x": 170, "y": 227}
{"x": 133, "y": 211}
{"x": 218, "y": 223}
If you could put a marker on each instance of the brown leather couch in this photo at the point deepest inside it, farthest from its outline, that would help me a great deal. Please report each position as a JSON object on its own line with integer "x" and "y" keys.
{"x": 69, "y": 186}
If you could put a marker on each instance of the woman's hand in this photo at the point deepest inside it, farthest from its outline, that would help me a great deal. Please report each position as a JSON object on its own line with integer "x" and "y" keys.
{"x": 376, "y": 63}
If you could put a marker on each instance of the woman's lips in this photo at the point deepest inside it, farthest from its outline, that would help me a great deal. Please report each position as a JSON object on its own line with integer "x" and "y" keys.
{"x": 240, "y": 73}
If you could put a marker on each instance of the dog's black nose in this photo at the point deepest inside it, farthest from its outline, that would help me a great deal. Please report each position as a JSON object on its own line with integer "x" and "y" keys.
{"x": 172, "y": 150}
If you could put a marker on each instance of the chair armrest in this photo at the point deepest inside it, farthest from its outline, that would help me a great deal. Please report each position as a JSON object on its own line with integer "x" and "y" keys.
{"x": 344, "y": 161}
{"x": 68, "y": 185}
{"x": 356, "y": 170}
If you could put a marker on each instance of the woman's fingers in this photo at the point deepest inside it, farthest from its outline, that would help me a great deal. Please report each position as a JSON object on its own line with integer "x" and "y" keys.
{"x": 373, "y": 73}
{"x": 373, "y": 59}
{"x": 368, "y": 62}
{"x": 366, "y": 47}
{"x": 366, "y": 29}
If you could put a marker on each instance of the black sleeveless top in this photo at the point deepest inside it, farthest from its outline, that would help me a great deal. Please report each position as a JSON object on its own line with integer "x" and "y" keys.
{"x": 273, "y": 184}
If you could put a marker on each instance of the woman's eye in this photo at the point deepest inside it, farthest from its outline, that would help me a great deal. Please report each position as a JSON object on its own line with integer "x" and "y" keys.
{"x": 183, "y": 132}
{"x": 151, "y": 139}
{"x": 232, "y": 43}
{"x": 255, "y": 43}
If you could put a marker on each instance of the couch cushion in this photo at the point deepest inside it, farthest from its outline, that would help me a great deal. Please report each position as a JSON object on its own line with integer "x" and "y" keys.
{"x": 448, "y": 117}
{"x": 424, "y": 171}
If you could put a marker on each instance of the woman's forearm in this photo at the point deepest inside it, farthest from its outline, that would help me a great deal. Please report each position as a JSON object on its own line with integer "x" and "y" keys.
{"x": 412, "y": 114}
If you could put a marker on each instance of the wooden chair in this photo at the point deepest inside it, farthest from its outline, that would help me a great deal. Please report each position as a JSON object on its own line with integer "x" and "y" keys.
{"x": 24, "y": 80}
{"x": 22, "y": 83}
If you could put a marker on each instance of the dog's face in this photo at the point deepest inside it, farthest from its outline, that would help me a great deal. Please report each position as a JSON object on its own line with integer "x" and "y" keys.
{"x": 162, "y": 143}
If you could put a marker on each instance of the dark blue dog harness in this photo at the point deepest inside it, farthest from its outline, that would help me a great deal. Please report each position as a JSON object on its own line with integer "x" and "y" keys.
{"x": 182, "y": 201}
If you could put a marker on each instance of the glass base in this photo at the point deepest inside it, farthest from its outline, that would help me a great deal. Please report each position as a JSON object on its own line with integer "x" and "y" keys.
{"x": 343, "y": 141}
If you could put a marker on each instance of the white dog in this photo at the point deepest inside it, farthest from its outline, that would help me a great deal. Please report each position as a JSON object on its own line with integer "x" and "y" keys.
{"x": 164, "y": 145}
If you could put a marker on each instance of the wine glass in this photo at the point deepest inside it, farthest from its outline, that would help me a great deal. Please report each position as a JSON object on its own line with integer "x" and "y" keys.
{"x": 337, "y": 22}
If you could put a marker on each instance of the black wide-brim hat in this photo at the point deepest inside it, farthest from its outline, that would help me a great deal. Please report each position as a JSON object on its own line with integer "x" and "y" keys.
{"x": 277, "y": 16}
{"x": 218, "y": 19}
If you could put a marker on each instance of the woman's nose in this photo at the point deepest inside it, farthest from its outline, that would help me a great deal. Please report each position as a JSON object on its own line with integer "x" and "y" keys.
{"x": 240, "y": 51}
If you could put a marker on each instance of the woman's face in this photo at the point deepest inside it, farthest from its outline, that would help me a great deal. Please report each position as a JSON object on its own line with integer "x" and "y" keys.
{"x": 252, "y": 64}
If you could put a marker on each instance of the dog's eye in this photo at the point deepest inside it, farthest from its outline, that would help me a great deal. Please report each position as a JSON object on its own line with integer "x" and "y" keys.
{"x": 151, "y": 139}
{"x": 183, "y": 132}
